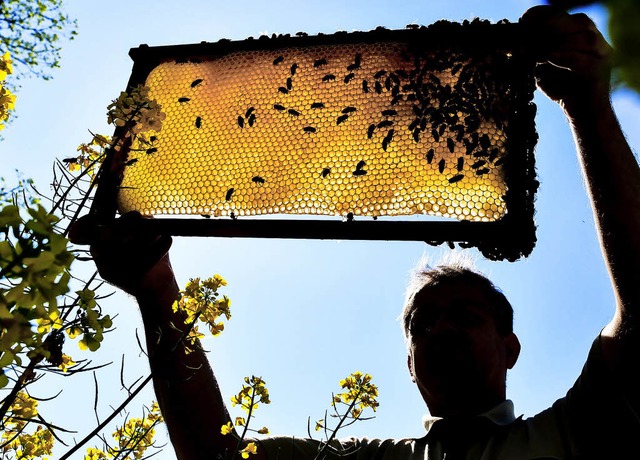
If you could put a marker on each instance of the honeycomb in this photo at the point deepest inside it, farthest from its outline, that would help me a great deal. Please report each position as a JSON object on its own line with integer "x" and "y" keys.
{"x": 355, "y": 129}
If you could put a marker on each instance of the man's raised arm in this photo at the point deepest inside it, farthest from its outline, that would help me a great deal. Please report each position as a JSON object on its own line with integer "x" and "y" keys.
{"x": 186, "y": 388}
{"x": 576, "y": 73}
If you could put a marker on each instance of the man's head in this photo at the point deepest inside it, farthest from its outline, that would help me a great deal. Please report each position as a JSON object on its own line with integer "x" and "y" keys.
{"x": 459, "y": 331}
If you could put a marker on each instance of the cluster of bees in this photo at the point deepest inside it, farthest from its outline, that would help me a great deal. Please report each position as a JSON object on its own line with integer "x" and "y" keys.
{"x": 375, "y": 123}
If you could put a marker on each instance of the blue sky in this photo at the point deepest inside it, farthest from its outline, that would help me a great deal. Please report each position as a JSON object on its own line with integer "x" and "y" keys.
{"x": 308, "y": 313}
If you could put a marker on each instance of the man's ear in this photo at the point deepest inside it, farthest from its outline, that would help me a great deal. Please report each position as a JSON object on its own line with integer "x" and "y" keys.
{"x": 512, "y": 346}
{"x": 410, "y": 366}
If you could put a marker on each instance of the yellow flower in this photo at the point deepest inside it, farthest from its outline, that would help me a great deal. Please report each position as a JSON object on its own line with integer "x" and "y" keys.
{"x": 226, "y": 428}
{"x": 94, "y": 454}
{"x": 6, "y": 67}
{"x": 66, "y": 363}
{"x": 251, "y": 448}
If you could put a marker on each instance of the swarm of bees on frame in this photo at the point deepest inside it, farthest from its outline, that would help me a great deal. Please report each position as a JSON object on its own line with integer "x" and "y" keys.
{"x": 370, "y": 129}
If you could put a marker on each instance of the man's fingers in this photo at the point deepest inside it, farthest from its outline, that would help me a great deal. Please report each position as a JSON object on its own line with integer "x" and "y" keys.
{"x": 570, "y": 3}
{"x": 539, "y": 13}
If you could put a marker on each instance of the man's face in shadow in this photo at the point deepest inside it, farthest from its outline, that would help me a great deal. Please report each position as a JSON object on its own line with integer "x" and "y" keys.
{"x": 457, "y": 357}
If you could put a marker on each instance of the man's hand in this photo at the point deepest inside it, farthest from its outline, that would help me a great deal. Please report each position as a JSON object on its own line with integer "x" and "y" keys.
{"x": 574, "y": 59}
{"x": 131, "y": 258}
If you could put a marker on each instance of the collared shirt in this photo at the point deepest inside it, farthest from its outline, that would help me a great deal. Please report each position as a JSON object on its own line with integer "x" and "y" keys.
{"x": 594, "y": 420}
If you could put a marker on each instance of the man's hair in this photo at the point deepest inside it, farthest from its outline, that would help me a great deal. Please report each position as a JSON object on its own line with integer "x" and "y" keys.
{"x": 458, "y": 272}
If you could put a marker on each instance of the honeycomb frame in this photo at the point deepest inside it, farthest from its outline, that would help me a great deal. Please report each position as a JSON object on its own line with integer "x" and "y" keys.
{"x": 434, "y": 121}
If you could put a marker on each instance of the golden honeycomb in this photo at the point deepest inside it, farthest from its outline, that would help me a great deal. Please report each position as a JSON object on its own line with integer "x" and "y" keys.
{"x": 343, "y": 129}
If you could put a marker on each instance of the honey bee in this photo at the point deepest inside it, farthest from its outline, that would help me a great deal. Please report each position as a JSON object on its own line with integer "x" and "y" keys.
{"x": 289, "y": 84}
{"x": 416, "y": 135}
{"x": 365, "y": 86}
{"x": 385, "y": 124}
{"x": 485, "y": 141}
{"x": 252, "y": 119}
{"x": 396, "y": 99}
{"x": 329, "y": 77}
{"x": 359, "y": 171}
{"x": 441, "y": 164}
{"x": 198, "y": 122}
{"x": 482, "y": 171}
{"x": 430, "y": 155}
{"x": 319, "y": 63}
{"x": 241, "y": 122}
{"x": 196, "y": 82}
{"x": 227, "y": 197}
{"x": 478, "y": 163}
{"x": 309, "y": 129}
{"x": 249, "y": 111}
{"x": 370, "y": 131}
{"x": 278, "y": 60}
{"x": 341, "y": 119}
{"x": 283, "y": 90}
{"x": 293, "y": 69}
{"x": 349, "y": 109}
{"x": 131, "y": 162}
{"x": 387, "y": 140}
{"x": 257, "y": 179}
{"x": 278, "y": 107}
{"x": 293, "y": 112}
{"x": 182, "y": 100}
{"x": 451, "y": 145}
{"x": 325, "y": 172}
{"x": 436, "y": 136}
{"x": 460, "y": 164}
{"x": 356, "y": 63}
{"x": 380, "y": 74}
{"x": 378, "y": 87}
{"x": 317, "y": 105}
{"x": 152, "y": 150}
{"x": 456, "y": 178}
{"x": 349, "y": 77}
{"x": 389, "y": 113}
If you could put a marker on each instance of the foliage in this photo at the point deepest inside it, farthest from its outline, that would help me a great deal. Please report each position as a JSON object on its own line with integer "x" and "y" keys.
{"x": 359, "y": 394}
{"x": 41, "y": 302}
{"x": 252, "y": 393}
{"x": 624, "y": 17}
{"x": 7, "y": 98}
{"x": 133, "y": 439}
{"x": 200, "y": 303}
{"x": 16, "y": 441}
{"x": 34, "y": 273}
{"x": 31, "y": 30}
